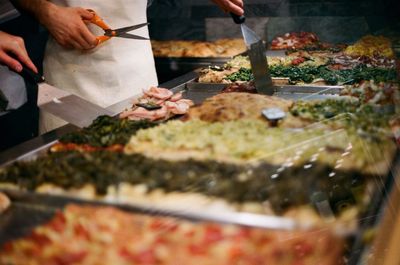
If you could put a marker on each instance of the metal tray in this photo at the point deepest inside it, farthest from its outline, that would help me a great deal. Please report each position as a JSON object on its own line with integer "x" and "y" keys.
{"x": 168, "y": 67}
{"x": 40, "y": 207}
{"x": 198, "y": 92}
{"x": 27, "y": 201}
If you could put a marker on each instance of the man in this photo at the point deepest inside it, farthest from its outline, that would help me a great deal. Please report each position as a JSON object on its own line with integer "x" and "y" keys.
{"x": 18, "y": 108}
{"x": 107, "y": 73}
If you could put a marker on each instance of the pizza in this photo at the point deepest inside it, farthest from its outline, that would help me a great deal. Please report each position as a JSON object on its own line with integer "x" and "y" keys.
{"x": 90, "y": 235}
{"x": 248, "y": 141}
{"x": 235, "y": 106}
{"x": 294, "y": 40}
{"x": 371, "y": 46}
{"x": 180, "y": 48}
{"x": 373, "y": 92}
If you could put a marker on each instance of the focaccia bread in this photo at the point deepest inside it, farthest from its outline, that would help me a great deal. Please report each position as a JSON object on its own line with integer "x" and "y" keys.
{"x": 235, "y": 106}
{"x": 180, "y": 48}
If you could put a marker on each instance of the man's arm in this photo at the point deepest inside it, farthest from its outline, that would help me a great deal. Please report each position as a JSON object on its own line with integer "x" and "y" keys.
{"x": 65, "y": 24}
{"x": 234, "y": 6}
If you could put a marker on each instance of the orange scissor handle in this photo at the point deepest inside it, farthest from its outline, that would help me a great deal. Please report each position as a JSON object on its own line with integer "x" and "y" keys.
{"x": 98, "y": 21}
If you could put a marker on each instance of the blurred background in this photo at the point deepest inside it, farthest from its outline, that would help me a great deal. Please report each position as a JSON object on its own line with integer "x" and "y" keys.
{"x": 333, "y": 21}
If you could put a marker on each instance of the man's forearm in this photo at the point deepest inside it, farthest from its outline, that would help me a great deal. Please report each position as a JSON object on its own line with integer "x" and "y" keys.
{"x": 38, "y": 8}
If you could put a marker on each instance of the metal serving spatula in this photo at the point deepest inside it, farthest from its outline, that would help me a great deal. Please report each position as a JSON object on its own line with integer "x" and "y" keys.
{"x": 67, "y": 106}
{"x": 258, "y": 59}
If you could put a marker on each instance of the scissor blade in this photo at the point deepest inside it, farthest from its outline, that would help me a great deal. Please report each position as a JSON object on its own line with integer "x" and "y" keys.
{"x": 130, "y": 28}
{"x": 131, "y": 36}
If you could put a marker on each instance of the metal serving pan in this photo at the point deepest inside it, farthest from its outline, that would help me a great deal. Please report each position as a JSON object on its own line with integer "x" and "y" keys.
{"x": 27, "y": 202}
{"x": 168, "y": 67}
{"x": 40, "y": 207}
{"x": 198, "y": 92}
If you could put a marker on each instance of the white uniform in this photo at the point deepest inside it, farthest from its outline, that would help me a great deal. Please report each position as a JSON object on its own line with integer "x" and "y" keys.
{"x": 113, "y": 71}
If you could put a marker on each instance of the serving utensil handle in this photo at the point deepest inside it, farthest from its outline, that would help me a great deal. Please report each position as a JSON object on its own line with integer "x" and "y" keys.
{"x": 30, "y": 75}
{"x": 238, "y": 19}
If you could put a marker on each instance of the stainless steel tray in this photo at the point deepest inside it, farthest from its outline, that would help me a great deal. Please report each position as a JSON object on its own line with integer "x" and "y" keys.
{"x": 27, "y": 202}
{"x": 51, "y": 203}
{"x": 198, "y": 92}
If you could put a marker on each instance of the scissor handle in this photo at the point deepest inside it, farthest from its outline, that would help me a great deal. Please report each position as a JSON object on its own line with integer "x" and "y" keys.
{"x": 98, "y": 21}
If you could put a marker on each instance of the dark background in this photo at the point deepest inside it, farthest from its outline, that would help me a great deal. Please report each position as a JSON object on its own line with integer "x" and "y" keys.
{"x": 332, "y": 20}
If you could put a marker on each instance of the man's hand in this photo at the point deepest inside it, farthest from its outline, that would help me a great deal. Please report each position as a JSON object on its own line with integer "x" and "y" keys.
{"x": 234, "y": 6}
{"x": 67, "y": 27}
{"x": 14, "y": 45}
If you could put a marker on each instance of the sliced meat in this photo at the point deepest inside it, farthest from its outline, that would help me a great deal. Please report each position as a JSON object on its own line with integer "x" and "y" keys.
{"x": 176, "y": 97}
{"x": 177, "y": 107}
{"x": 161, "y": 113}
{"x": 189, "y": 102}
{"x": 138, "y": 114}
{"x": 158, "y": 93}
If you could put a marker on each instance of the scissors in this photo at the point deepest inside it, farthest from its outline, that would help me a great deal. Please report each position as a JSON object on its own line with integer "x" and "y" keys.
{"x": 109, "y": 33}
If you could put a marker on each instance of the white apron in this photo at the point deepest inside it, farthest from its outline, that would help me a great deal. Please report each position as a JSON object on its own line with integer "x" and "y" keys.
{"x": 113, "y": 71}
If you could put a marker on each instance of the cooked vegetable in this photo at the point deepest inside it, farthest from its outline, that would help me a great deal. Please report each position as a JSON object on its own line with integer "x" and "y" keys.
{"x": 232, "y": 182}
{"x": 308, "y": 74}
{"x": 244, "y": 74}
{"x": 106, "y": 131}
{"x": 251, "y": 141}
{"x": 370, "y": 120}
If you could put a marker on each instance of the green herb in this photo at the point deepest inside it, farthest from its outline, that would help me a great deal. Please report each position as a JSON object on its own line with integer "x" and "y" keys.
{"x": 308, "y": 74}
{"x": 244, "y": 74}
{"x": 106, "y": 131}
{"x": 235, "y": 183}
{"x": 363, "y": 118}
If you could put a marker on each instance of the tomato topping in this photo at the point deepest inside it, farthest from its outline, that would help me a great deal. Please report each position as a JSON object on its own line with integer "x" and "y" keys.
{"x": 69, "y": 258}
{"x": 298, "y": 61}
{"x": 190, "y": 233}
{"x": 159, "y": 224}
{"x": 161, "y": 241}
{"x": 197, "y": 249}
{"x": 58, "y": 223}
{"x": 40, "y": 239}
{"x": 212, "y": 233}
{"x": 235, "y": 252}
{"x": 81, "y": 231}
{"x": 242, "y": 234}
{"x": 146, "y": 257}
{"x": 303, "y": 249}
{"x": 7, "y": 247}
{"x": 126, "y": 254}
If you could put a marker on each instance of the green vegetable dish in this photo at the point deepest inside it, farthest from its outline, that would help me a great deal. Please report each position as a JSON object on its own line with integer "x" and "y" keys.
{"x": 308, "y": 74}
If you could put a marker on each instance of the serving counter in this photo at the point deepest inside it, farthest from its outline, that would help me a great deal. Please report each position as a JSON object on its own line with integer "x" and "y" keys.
{"x": 368, "y": 236}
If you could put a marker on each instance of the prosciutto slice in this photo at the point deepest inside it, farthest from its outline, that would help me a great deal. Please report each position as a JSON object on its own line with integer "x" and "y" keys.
{"x": 171, "y": 104}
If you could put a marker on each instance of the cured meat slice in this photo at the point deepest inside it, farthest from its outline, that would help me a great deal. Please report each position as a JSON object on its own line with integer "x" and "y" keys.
{"x": 179, "y": 107}
{"x": 137, "y": 113}
{"x": 158, "y": 93}
{"x": 176, "y": 96}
